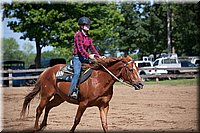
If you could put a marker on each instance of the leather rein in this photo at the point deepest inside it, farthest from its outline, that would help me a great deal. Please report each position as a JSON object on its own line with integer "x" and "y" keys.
{"x": 124, "y": 83}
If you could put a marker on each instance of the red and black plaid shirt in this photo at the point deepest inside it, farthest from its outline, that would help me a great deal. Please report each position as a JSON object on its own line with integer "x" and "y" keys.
{"x": 81, "y": 45}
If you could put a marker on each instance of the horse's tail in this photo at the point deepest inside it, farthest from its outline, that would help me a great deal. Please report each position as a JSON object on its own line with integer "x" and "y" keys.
{"x": 30, "y": 97}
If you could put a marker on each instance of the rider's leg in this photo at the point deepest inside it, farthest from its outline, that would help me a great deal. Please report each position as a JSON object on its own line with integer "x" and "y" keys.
{"x": 77, "y": 70}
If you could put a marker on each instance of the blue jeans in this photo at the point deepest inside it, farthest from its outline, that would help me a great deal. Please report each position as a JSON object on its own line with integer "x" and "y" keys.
{"x": 77, "y": 70}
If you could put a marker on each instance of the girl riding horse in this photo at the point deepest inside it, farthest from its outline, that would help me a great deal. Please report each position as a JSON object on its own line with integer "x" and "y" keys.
{"x": 97, "y": 90}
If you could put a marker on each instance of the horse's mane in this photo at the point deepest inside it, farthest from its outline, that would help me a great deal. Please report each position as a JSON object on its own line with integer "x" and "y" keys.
{"x": 107, "y": 62}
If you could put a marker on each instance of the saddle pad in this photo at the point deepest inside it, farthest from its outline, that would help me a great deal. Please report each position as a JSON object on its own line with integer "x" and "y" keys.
{"x": 66, "y": 75}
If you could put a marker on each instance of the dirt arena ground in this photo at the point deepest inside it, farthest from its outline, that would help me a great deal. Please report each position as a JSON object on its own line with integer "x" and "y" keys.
{"x": 156, "y": 108}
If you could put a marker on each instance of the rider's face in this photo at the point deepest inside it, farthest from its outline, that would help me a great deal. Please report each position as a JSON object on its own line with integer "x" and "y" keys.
{"x": 85, "y": 27}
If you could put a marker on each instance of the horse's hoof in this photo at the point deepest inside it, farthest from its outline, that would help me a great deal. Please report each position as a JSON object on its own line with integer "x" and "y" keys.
{"x": 71, "y": 131}
{"x": 36, "y": 129}
{"x": 42, "y": 126}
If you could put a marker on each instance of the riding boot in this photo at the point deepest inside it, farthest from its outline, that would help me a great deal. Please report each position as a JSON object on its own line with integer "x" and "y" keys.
{"x": 74, "y": 95}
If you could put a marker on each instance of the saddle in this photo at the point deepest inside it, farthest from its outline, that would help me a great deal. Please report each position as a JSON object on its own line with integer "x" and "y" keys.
{"x": 65, "y": 74}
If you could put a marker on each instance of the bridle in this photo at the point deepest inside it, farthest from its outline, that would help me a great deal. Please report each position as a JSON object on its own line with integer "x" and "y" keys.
{"x": 122, "y": 82}
{"x": 133, "y": 68}
{"x": 125, "y": 65}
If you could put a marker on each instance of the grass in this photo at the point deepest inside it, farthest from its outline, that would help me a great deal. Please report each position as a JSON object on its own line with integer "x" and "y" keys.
{"x": 173, "y": 82}
{"x": 193, "y": 81}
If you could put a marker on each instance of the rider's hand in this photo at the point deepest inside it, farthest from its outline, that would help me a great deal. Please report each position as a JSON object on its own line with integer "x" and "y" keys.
{"x": 92, "y": 56}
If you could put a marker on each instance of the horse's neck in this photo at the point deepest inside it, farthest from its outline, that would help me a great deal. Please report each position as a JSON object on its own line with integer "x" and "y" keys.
{"x": 116, "y": 71}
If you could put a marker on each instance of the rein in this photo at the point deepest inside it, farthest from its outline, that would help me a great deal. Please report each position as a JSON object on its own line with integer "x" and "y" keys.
{"x": 116, "y": 77}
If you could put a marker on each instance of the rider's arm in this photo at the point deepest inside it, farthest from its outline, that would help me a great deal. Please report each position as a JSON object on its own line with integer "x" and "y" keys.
{"x": 93, "y": 49}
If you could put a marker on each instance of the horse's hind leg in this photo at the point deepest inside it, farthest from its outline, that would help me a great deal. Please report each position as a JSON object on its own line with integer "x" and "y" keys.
{"x": 57, "y": 100}
{"x": 44, "y": 100}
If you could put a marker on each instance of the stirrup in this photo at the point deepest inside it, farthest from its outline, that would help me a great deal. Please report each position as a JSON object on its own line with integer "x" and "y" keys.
{"x": 74, "y": 95}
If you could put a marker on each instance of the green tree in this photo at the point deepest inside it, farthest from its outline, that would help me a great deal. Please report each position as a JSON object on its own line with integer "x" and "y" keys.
{"x": 55, "y": 24}
{"x": 156, "y": 26}
{"x": 127, "y": 29}
{"x": 145, "y": 27}
{"x": 185, "y": 29}
{"x": 37, "y": 22}
{"x": 11, "y": 50}
{"x": 124, "y": 26}
{"x": 58, "y": 53}
{"x": 105, "y": 18}
{"x": 29, "y": 55}
{"x": 63, "y": 53}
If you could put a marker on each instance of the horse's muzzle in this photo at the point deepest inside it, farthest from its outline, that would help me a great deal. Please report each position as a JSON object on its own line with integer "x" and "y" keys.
{"x": 138, "y": 85}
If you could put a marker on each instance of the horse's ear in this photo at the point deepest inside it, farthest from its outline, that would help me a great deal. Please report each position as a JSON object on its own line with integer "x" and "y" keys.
{"x": 129, "y": 58}
{"x": 120, "y": 58}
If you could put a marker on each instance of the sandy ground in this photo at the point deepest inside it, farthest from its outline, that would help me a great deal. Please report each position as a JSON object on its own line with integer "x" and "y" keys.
{"x": 155, "y": 108}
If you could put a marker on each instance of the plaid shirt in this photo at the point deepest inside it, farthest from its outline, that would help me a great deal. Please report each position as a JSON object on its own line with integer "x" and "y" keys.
{"x": 81, "y": 45}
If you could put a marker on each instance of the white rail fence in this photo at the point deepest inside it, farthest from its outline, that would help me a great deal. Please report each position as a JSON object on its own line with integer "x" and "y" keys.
{"x": 34, "y": 74}
{"x": 9, "y": 75}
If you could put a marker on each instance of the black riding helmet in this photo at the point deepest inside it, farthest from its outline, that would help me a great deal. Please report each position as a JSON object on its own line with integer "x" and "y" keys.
{"x": 84, "y": 20}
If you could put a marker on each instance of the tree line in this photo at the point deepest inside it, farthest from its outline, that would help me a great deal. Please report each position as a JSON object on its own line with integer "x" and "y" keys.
{"x": 116, "y": 26}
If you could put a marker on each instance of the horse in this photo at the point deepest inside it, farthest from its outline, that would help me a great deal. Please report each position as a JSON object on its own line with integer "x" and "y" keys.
{"x": 97, "y": 90}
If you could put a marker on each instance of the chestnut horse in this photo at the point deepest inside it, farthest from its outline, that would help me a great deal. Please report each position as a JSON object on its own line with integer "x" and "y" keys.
{"x": 97, "y": 90}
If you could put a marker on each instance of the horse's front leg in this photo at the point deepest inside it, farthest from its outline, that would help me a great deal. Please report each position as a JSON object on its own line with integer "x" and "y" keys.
{"x": 80, "y": 111}
{"x": 103, "y": 115}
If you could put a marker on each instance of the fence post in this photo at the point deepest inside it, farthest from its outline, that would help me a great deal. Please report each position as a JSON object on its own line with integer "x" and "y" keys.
{"x": 157, "y": 78}
{"x": 10, "y": 78}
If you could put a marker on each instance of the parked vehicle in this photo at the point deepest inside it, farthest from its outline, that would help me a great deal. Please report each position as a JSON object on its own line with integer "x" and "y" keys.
{"x": 14, "y": 65}
{"x": 188, "y": 64}
{"x": 144, "y": 64}
{"x": 55, "y": 61}
{"x": 195, "y": 61}
{"x": 167, "y": 63}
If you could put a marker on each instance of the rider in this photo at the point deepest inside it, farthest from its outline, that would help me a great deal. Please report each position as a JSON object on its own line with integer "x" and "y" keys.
{"x": 82, "y": 42}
